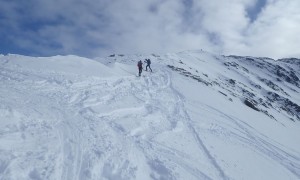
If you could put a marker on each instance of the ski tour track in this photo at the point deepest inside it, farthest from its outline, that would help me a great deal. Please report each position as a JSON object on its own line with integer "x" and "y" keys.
{"x": 90, "y": 140}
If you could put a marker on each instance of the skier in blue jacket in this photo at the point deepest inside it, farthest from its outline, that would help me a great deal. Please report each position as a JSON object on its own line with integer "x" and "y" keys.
{"x": 148, "y": 64}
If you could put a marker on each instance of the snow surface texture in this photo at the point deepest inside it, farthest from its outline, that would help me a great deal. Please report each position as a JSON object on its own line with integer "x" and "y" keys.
{"x": 197, "y": 116}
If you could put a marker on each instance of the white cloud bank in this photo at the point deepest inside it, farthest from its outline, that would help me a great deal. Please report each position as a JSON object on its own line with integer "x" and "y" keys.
{"x": 100, "y": 27}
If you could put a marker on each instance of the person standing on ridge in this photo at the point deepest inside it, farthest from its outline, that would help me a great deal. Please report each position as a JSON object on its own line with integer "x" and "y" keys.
{"x": 148, "y": 64}
{"x": 140, "y": 67}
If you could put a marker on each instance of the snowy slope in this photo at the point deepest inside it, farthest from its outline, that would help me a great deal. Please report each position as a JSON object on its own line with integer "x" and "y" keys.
{"x": 197, "y": 116}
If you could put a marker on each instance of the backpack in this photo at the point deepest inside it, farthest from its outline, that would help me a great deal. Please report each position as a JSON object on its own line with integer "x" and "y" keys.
{"x": 148, "y": 61}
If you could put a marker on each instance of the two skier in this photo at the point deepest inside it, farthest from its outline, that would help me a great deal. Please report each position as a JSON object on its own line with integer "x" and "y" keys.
{"x": 140, "y": 65}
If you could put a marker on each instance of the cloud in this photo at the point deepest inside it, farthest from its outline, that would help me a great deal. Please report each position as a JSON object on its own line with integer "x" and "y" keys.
{"x": 100, "y": 27}
{"x": 276, "y": 30}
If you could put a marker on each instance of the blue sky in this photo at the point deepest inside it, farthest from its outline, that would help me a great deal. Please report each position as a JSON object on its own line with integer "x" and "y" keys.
{"x": 254, "y": 10}
{"x": 94, "y": 28}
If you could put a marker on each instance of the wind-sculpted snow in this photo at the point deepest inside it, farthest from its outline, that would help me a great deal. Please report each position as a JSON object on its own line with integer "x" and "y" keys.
{"x": 68, "y": 118}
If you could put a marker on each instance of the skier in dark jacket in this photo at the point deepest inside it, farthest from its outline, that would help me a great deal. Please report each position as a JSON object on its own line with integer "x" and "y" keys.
{"x": 148, "y": 64}
{"x": 140, "y": 67}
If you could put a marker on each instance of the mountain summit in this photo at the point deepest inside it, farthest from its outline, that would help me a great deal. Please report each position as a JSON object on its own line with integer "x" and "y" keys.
{"x": 196, "y": 116}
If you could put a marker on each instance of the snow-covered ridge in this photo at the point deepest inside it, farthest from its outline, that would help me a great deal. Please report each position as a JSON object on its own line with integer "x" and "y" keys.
{"x": 197, "y": 116}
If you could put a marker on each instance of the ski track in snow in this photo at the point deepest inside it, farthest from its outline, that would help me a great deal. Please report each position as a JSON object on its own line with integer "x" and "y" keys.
{"x": 200, "y": 142}
{"x": 258, "y": 142}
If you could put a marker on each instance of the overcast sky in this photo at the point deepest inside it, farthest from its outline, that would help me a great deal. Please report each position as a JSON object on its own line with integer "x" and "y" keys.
{"x": 90, "y": 28}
